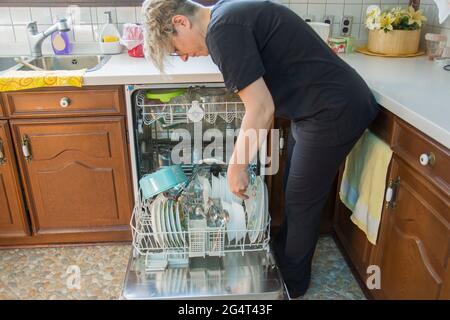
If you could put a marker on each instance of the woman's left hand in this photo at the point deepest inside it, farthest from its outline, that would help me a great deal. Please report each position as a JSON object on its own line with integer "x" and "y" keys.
{"x": 238, "y": 180}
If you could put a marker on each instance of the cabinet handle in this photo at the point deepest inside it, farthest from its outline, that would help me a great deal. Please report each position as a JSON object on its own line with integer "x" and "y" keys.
{"x": 391, "y": 193}
{"x": 281, "y": 146}
{"x": 26, "y": 148}
{"x": 64, "y": 102}
{"x": 427, "y": 159}
{"x": 2, "y": 153}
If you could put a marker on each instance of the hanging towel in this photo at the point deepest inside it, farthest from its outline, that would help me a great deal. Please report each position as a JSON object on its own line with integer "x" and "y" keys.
{"x": 19, "y": 80}
{"x": 364, "y": 182}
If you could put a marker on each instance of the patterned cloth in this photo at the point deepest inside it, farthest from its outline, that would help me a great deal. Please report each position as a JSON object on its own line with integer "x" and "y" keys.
{"x": 19, "y": 80}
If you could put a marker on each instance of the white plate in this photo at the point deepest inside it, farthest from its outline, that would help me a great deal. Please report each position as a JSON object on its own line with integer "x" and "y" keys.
{"x": 265, "y": 216}
{"x": 253, "y": 209}
{"x": 156, "y": 220}
{"x": 239, "y": 224}
{"x": 170, "y": 226}
{"x": 179, "y": 228}
{"x": 163, "y": 217}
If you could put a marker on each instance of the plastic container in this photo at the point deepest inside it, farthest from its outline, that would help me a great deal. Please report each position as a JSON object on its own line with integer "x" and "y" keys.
{"x": 60, "y": 43}
{"x": 133, "y": 39}
{"x": 166, "y": 96}
{"x": 435, "y": 45}
{"x": 162, "y": 180}
{"x": 109, "y": 37}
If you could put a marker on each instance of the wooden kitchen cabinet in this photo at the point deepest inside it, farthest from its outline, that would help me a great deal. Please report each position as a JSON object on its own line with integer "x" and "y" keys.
{"x": 13, "y": 220}
{"x": 65, "y": 102}
{"x": 77, "y": 179}
{"x": 413, "y": 242}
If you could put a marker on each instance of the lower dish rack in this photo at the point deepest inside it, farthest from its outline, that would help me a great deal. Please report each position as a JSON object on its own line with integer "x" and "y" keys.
{"x": 206, "y": 220}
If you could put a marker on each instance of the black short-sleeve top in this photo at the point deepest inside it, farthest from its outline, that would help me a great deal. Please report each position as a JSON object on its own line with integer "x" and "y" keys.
{"x": 249, "y": 39}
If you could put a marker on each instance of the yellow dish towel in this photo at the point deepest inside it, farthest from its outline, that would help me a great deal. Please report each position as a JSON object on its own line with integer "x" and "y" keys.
{"x": 364, "y": 182}
{"x": 19, "y": 80}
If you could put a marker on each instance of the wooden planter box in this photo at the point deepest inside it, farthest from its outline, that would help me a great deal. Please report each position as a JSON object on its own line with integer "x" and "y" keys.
{"x": 397, "y": 42}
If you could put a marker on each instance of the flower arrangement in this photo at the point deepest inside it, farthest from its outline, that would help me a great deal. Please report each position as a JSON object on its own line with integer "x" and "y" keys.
{"x": 394, "y": 19}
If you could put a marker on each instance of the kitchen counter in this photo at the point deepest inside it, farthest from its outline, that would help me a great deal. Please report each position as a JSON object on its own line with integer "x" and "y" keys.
{"x": 414, "y": 89}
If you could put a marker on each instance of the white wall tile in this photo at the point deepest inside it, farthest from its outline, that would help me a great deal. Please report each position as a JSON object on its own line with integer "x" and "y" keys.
{"x": 102, "y": 18}
{"x": 20, "y": 32}
{"x": 335, "y": 1}
{"x": 336, "y": 10}
{"x": 81, "y": 15}
{"x": 83, "y": 33}
{"x": 403, "y": 3}
{"x": 7, "y": 33}
{"x": 299, "y": 1}
{"x": 41, "y": 15}
{"x": 126, "y": 15}
{"x": 317, "y": 10}
{"x": 20, "y": 15}
{"x": 431, "y": 13}
{"x": 391, "y": 2}
{"x": 5, "y": 16}
{"x": 139, "y": 16}
{"x": 353, "y": 1}
{"x": 60, "y": 12}
{"x": 363, "y": 32}
{"x": 353, "y": 10}
{"x": 300, "y": 8}
{"x": 355, "y": 30}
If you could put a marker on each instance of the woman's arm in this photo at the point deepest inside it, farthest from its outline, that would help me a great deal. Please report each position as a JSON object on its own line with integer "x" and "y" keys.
{"x": 259, "y": 113}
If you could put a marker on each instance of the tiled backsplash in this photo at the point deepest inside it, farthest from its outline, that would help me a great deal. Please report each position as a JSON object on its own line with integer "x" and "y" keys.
{"x": 87, "y": 21}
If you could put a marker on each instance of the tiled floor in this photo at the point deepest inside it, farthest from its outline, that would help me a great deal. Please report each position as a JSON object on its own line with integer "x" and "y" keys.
{"x": 49, "y": 273}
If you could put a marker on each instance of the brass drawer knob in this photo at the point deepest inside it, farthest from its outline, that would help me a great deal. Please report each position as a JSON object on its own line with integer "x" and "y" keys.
{"x": 427, "y": 159}
{"x": 64, "y": 102}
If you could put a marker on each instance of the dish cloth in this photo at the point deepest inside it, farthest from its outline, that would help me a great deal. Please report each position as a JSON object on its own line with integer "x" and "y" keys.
{"x": 19, "y": 80}
{"x": 364, "y": 182}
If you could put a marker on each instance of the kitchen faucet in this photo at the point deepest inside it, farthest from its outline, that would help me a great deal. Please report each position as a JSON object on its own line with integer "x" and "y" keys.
{"x": 35, "y": 38}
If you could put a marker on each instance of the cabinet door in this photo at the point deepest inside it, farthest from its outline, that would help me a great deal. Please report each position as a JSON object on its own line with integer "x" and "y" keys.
{"x": 13, "y": 221}
{"x": 77, "y": 174}
{"x": 414, "y": 239}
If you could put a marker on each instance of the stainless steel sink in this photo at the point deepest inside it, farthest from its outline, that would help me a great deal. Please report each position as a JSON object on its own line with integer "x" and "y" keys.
{"x": 90, "y": 62}
{"x": 6, "y": 63}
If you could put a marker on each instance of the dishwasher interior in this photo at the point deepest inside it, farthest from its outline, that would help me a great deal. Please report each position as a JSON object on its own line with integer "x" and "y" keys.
{"x": 205, "y": 243}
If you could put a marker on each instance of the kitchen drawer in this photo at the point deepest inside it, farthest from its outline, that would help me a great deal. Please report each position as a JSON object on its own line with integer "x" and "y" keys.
{"x": 410, "y": 144}
{"x": 95, "y": 100}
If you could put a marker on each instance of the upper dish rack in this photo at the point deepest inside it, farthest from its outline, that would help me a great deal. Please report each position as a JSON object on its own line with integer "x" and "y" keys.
{"x": 179, "y": 112}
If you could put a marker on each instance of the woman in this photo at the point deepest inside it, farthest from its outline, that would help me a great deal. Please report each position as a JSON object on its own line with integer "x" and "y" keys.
{"x": 278, "y": 66}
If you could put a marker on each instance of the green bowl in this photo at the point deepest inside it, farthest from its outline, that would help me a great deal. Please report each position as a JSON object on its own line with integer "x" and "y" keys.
{"x": 165, "y": 96}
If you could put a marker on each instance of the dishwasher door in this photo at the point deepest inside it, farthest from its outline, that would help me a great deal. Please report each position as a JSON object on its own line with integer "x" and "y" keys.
{"x": 237, "y": 274}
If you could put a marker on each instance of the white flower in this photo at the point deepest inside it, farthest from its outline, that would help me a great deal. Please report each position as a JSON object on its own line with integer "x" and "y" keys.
{"x": 373, "y": 11}
{"x": 373, "y": 23}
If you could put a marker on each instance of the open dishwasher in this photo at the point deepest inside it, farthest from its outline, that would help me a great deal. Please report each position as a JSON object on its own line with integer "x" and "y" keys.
{"x": 201, "y": 242}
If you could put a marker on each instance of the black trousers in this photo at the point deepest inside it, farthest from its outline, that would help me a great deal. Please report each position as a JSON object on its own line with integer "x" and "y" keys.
{"x": 310, "y": 171}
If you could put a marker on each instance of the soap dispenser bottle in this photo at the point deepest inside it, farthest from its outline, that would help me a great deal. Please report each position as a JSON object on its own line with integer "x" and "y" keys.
{"x": 109, "y": 37}
{"x": 60, "y": 41}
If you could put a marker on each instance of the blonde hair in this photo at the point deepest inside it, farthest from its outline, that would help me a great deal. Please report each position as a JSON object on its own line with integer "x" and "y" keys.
{"x": 158, "y": 27}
